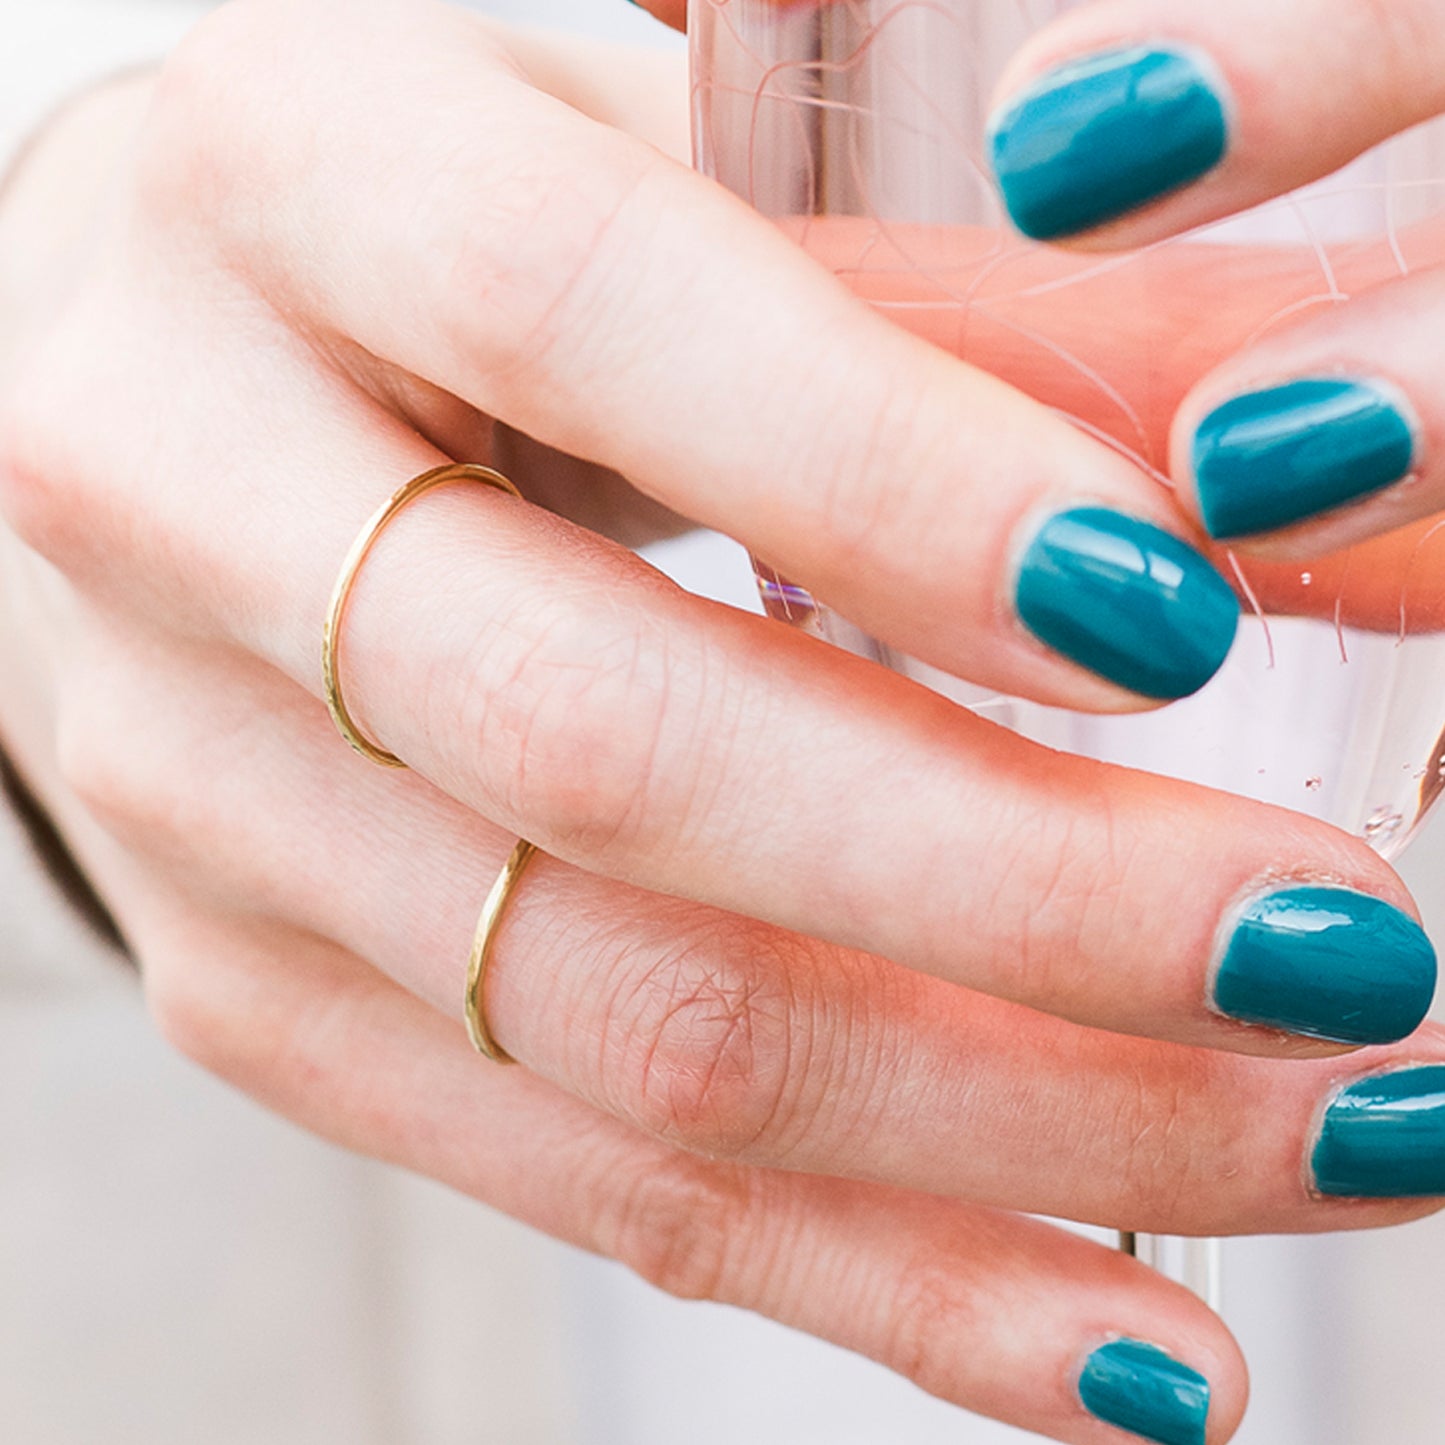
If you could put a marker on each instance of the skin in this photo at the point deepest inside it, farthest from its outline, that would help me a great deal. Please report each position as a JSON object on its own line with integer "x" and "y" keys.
{"x": 818, "y": 1071}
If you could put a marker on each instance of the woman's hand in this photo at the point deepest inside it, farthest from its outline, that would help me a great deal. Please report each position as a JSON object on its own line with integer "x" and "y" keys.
{"x": 812, "y": 985}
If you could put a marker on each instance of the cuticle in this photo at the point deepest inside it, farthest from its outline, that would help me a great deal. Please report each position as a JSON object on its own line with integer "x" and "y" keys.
{"x": 1087, "y": 1353}
{"x": 1025, "y": 532}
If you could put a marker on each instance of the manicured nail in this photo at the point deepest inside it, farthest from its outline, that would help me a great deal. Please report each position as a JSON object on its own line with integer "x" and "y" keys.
{"x": 1100, "y": 136}
{"x": 1384, "y": 1138}
{"x": 1328, "y": 963}
{"x": 1139, "y": 1388}
{"x": 1128, "y": 601}
{"x": 1277, "y": 456}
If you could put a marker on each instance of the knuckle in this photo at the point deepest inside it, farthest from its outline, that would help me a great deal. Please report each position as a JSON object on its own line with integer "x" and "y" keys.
{"x": 145, "y": 808}
{"x": 1072, "y": 916}
{"x": 42, "y": 476}
{"x": 207, "y": 1000}
{"x": 545, "y": 252}
{"x": 188, "y": 1019}
{"x": 852, "y": 471}
{"x": 94, "y": 773}
{"x": 180, "y": 163}
{"x": 678, "y": 1223}
{"x": 206, "y": 135}
{"x": 1168, "y": 1160}
{"x": 582, "y": 712}
{"x": 935, "y": 1306}
{"x": 712, "y": 1048}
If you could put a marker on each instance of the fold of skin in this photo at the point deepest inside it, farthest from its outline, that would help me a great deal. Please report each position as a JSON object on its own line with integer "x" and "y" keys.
{"x": 1117, "y": 342}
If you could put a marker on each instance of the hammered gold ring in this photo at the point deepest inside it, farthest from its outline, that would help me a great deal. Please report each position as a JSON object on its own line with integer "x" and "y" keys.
{"x": 474, "y": 1010}
{"x": 487, "y": 926}
{"x": 341, "y": 593}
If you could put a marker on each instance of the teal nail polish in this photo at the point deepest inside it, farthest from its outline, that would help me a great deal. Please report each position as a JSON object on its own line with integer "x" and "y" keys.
{"x": 1139, "y": 1388}
{"x": 1128, "y": 601}
{"x": 1277, "y": 456}
{"x": 1384, "y": 1138}
{"x": 1328, "y": 963}
{"x": 1097, "y": 137}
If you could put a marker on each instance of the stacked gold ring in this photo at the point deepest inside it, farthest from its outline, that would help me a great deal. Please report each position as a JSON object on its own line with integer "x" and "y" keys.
{"x": 474, "y": 1010}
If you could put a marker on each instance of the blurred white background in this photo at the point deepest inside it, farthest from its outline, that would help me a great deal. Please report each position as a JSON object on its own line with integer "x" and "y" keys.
{"x": 177, "y": 1266}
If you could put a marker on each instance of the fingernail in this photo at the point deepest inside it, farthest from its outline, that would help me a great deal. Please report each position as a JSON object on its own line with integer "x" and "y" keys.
{"x": 1128, "y": 601}
{"x": 1328, "y": 963}
{"x": 1100, "y": 136}
{"x": 1384, "y": 1138}
{"x": 1280, "y": 455}
{"x": 1139, "y": 1388}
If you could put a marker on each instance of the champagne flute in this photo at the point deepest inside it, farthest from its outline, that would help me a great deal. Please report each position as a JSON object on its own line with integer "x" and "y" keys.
{"x": 860, "y": 126}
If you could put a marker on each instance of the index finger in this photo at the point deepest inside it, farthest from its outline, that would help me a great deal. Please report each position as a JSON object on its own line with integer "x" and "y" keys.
{"x": 569, "y": 280}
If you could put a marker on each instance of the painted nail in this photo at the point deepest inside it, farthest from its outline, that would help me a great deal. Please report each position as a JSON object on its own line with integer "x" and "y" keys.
{"x": 1128, "y": 601}
{"x": 1139, "y": 1388}
{"x": 1328, "y": 963}
{"x": 1277, "y": 456}
{"x": 1097, "y": 137}
{"x": 1384, "y": 1138}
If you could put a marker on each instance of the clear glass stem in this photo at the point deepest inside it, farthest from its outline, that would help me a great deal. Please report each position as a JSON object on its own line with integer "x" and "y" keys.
{"x": 1197, "y": 1264}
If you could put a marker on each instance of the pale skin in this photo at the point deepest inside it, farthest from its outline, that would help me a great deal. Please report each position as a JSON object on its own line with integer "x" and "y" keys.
{"x": 812, "y": 1069}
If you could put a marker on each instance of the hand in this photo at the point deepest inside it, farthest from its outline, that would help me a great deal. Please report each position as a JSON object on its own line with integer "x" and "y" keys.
{"x": 811, "y": 989}
{"x": 1288, "y": 387}
{"x": 1145, "y": 376}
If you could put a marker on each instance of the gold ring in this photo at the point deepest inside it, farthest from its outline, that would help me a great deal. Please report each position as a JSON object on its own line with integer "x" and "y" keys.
{"x": 341, "y": 593}
{"x": 492, "y": 910}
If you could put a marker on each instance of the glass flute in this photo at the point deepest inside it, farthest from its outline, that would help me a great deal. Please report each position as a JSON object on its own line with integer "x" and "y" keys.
{"x": 860, "y": 127}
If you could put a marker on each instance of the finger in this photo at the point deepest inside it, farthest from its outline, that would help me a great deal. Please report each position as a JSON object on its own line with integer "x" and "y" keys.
{"x": 916, "y": 1283}
{"x": 1324, "y": 434}
{"x": 639, "y": 91}
{"x": 1031, "y": 875}
{"x": 730, "y": 1038}
{"x": 571, "y": 714}
{"x": 1128, "y": 120}
{"x": 558, "y": 687}
{"x": 592, "y": 294}
{"x": 1120, "y": 348}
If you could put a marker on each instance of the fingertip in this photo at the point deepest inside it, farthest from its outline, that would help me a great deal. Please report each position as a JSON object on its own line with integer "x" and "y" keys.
{"x": 1174, "y": 1373}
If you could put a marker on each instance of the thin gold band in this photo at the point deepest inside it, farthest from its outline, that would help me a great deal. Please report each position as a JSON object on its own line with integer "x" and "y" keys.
{"x": 511, "y": 874}
{"x": 341, "y": 593}
{"x": 490, "y": 921}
